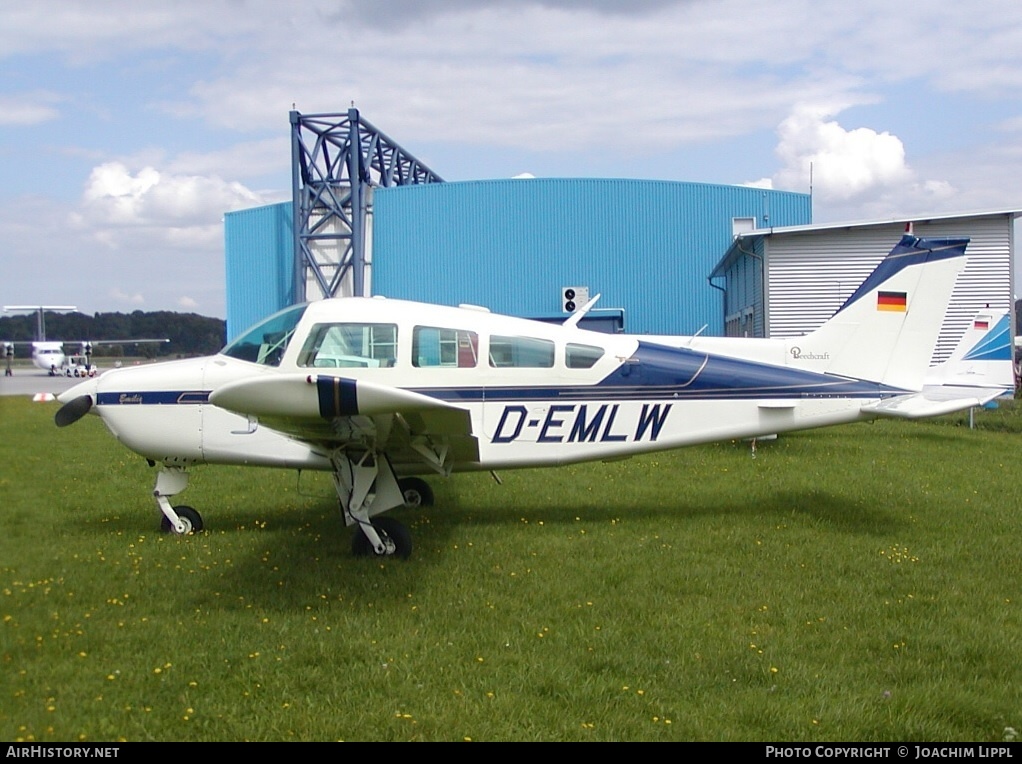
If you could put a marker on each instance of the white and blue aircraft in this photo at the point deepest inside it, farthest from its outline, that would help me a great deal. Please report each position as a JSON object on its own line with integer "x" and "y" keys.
{"x": 379, "y": 392}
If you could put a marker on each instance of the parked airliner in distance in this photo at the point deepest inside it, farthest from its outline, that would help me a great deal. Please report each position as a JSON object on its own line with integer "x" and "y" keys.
{"x": 52, "y": 356}
{"x": 379, "y": 392}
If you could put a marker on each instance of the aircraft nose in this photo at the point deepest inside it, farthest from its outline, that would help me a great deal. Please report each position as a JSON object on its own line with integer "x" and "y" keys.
{"x": 88, "y": 387}
{"x": 78, "y": 401}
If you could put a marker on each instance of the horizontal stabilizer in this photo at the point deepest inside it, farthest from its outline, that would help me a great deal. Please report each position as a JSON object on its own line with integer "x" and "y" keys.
{"x": 932, "y": 402}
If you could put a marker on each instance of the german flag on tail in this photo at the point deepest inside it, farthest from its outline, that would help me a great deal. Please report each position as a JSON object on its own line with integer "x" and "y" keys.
{"x": 893, "y": 301}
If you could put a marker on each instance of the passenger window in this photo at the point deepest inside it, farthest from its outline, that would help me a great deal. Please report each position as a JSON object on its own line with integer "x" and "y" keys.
{"x": 582, "y": 356}
{"x": 521, "y": 352}
{"x": 452, "y": 348}
{"x": 337, "y": 346}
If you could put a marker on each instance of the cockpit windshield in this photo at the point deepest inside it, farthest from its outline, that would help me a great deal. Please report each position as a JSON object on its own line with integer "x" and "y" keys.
{"x": 266, "y": 342}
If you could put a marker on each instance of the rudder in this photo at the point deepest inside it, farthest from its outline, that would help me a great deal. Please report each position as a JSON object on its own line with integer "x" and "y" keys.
{"x": 887, "y": 330}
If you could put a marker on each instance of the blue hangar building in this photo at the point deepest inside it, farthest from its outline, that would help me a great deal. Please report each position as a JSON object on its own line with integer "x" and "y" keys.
{"x": 525, "y": 246}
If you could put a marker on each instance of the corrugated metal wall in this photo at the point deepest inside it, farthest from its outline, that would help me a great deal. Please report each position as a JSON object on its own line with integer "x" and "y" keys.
{"x": 646, "y": 246}
{"x": 809, "y": 275}
{"x": 259, "y": 246}
{"x": 744, "y": 307}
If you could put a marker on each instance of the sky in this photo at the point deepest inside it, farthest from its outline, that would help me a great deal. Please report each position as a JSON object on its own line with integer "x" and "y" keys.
{"x": 128, "y": 129}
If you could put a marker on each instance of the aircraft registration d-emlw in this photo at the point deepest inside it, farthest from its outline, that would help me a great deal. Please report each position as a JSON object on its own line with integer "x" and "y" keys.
{"x": 379, "y": 392}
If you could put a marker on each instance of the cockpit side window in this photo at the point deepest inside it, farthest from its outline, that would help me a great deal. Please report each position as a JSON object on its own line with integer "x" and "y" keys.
{"x": 266, "y": 342}
{"x": 521, "y": 352}
{"x": 350, "y": 346}
{"x": 449, "y": 348}
{"x": 582, "y": 356}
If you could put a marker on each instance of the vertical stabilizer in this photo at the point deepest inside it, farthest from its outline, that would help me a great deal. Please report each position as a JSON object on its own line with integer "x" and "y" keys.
{"x": 983, "y": 358}
{"x": 887, "y": 330}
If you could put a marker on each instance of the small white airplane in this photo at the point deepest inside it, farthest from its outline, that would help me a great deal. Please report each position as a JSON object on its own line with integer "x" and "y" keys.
{"x": 52, "y": 356}
{"x": 48, "y": 356}
{"x": 379, "y": 392}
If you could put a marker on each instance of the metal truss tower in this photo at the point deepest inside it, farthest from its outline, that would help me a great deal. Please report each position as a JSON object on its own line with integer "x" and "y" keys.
{"x": 336, "y": 161}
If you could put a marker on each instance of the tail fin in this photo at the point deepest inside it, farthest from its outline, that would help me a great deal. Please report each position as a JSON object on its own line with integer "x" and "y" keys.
{"x": 983, "y": 358}
{"x": 887, "y": 330}
{"x": 979, "y": 370}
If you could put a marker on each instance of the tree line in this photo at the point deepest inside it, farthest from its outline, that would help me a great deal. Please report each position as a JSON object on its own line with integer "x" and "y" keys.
{"x": 189, "y": 333}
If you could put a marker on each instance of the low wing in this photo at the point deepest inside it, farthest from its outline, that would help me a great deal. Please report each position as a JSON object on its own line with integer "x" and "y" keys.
{"x": 91, "y": 343}
{"x": 338, "y": 412}
{"x": 130, "y": 341}
{"x": 82, "y": 343}
{"x": 88, "y": 342}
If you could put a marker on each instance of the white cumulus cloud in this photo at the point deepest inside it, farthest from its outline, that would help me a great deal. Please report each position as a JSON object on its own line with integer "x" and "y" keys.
{"x": 855, "y": 173}
{"x": 845, "y": 163}
{"x": 115, "y": 196}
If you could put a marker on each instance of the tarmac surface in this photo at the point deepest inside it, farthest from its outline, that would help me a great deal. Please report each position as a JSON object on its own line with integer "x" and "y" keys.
{"x": 29, "y": 382}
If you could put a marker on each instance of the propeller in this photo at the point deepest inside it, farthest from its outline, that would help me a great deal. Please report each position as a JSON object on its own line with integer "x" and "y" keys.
{"x": 73, "y": 410}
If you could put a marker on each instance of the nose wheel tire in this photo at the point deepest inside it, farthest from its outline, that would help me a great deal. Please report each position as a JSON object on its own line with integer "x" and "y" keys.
{"x": 192, "y": 521}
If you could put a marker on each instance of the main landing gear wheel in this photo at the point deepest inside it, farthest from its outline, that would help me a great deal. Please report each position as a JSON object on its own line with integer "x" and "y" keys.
{"x": 416, "y": 491}
{"x": 191, "y": 519}
{"x": 387, "y": 528}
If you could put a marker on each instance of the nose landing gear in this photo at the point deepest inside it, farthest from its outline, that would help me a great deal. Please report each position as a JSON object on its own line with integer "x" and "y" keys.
{"x": 181, "y": 520}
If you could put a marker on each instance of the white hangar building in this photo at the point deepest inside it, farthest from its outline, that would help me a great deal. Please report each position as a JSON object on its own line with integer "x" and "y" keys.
{"x": 785, "y": 282}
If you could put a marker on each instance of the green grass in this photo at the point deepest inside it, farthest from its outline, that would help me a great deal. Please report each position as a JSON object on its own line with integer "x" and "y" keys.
{"x": 856, "y": 583}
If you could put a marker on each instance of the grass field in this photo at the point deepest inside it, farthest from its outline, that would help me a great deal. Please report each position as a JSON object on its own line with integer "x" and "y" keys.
{"x": 859, "y": 583}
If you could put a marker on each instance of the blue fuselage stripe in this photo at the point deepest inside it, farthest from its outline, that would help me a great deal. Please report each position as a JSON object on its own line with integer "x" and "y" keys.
{"x": 153, "y": 398}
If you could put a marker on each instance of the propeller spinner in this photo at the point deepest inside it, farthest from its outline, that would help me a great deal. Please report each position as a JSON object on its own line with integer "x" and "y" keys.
{"x": 73, "y": 410}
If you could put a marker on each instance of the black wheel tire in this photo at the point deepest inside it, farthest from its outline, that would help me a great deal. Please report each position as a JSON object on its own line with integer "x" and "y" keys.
{"x": 387, "y": 527}
{"x": 191, "y": 519}
{"x": 416, "y": 491}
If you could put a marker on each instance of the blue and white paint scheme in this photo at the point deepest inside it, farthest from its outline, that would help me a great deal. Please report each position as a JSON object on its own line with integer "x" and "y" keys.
{"x": 378, "y": 391}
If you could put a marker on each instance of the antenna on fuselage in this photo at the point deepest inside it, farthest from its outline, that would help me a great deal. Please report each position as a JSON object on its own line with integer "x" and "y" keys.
{"x": 701, "y": 330}
{"x": 579, "y": 314}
